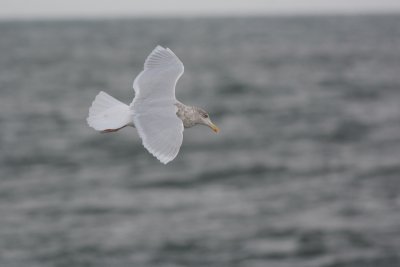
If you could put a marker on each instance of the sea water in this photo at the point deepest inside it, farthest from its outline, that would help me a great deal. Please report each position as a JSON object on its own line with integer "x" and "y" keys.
{"x": 304, "y": 172}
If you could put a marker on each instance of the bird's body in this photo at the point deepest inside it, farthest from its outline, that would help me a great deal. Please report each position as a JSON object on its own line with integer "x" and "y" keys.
{"x": 155, "y": 112}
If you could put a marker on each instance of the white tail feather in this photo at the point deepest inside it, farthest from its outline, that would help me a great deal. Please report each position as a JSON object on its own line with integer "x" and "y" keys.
{"x": 108, "y": 113}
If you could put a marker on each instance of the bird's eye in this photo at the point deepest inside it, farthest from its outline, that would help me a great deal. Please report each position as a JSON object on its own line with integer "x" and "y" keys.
{"x": 205, "y": 116}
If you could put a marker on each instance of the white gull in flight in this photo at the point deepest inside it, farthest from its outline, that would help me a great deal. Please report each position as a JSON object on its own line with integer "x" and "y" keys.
{"x": 155, "y": 112}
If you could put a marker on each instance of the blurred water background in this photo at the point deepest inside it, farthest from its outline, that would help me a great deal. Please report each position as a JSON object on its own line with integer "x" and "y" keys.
{"x": 305, "y": 170}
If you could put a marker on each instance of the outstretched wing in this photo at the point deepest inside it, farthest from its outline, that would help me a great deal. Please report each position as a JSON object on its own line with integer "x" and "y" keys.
{"x": 154, "y": 110}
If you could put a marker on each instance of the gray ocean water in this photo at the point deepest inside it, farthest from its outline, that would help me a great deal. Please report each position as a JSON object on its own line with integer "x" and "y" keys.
{"x": 305, "y": 171}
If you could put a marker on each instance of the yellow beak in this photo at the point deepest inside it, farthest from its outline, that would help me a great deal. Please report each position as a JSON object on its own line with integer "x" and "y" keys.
{"x": 213, "y": 127}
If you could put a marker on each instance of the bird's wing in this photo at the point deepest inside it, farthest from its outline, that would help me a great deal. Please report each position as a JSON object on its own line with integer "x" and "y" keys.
{"x": 154, "y": 110}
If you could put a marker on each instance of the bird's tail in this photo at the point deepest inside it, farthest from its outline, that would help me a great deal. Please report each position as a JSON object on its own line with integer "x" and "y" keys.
{"x": 108, "y": 114}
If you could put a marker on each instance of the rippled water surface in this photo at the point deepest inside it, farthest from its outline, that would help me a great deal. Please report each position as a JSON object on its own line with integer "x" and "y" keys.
{"x": 305, "y": 171}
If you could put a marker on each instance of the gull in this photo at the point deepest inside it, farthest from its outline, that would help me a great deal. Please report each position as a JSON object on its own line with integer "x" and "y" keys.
{"x": 155, "y": 112}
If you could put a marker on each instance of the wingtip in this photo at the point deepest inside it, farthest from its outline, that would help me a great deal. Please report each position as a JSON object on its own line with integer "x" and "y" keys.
{"x": 165, "y": 162}
{"x": 163, "y": 158}
{"x": 159, "y": 47}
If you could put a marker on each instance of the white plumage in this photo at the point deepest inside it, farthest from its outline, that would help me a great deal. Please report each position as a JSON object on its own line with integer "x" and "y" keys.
{"x": 155, "y": 112}
{"x": 107, "y": 112}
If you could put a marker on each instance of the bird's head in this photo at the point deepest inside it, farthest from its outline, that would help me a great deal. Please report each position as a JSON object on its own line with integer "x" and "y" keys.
{"x": 202, "y": 117}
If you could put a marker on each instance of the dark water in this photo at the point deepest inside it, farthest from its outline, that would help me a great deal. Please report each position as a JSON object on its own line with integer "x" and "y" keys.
{"x": 305, "y": 171}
